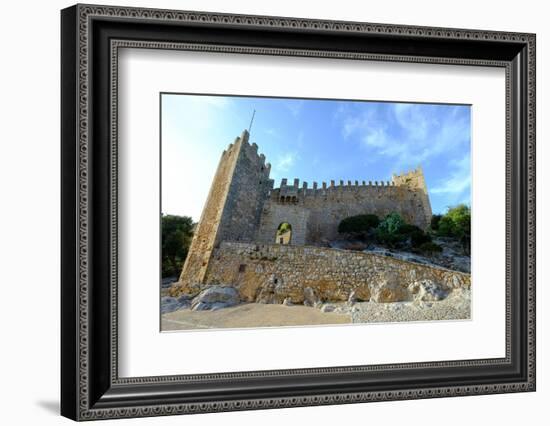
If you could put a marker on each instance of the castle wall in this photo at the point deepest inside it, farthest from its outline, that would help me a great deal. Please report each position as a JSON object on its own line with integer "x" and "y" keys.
{"x": 284, "y": 271}
{"x": 323, "y": 208}
{"x": 327, "y": 211}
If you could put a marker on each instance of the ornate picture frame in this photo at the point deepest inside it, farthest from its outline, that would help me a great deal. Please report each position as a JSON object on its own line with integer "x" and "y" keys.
{"x": 90, "y": 39}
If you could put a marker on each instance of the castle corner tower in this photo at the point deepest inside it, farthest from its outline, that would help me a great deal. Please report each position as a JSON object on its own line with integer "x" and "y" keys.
{"x": 233, "y": 206}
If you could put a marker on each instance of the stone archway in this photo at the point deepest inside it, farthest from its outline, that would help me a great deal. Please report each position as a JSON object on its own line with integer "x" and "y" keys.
{"x": 284, "y": 233}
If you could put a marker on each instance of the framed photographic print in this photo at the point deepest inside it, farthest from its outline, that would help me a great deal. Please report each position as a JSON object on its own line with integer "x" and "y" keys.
{"x": 335, "y": 245}
{"x": 263, "y": 212}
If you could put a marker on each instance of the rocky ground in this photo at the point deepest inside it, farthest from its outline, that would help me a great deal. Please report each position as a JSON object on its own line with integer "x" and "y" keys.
{"x": 452, "y": 256}
{"x": 456, "y": 306}
{"x": 218, "y": 307}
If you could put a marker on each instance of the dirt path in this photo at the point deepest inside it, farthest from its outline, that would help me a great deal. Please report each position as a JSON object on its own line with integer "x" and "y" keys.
{"x": 250, "y": 315}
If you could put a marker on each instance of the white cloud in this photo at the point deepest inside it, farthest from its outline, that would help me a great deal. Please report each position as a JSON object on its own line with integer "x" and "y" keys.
{"x": 413, "y": 119}
{"x": 409, "y": 134}
{"x": 353, "y": 124}
{"x": 459, "y": 181}
{"x": 285, "y": 162}
{"x": 377, "y": 138}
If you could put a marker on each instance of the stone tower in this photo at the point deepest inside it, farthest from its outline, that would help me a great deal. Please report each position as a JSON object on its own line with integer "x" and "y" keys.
{"x": 414, "y": 180}
{"x": 233, "y": 207}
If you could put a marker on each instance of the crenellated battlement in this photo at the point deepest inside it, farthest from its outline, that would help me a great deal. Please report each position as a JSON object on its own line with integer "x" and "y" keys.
{"x": 242, "y": 143}
{"x": 413, "y": 179}
{"x": 410, "y": 173}
{"x": 297, "y": 191}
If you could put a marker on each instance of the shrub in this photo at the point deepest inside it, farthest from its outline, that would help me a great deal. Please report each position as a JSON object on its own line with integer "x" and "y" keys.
{"x": 430, "y": 248}
{"x": 387, "y": 232}
{"x": 359, "y": 224}
{"x": 417, "y": 235}
{"x": 407, "y": 228}
{"x": 434, "y": 224}
{"x": 393, "y": 230}
{"x": 388, "y": 239}
{"x": 420, "y": 237}
{"x": 391, "y": 223}
{"x": 446, "y": 227}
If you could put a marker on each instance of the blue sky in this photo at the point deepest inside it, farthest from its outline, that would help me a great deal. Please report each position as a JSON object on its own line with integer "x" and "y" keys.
{"x": 315, "y": 140}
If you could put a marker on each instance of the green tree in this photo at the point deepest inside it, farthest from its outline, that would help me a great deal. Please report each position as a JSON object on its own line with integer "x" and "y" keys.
{"x": 392, "y": 223}
{"x": 177, "y": 232}
{"x": 387, "y": 232}
{"x": 393, "y": 230}
{"x": 456, "y": 223}
{"x": 446, "y": 227}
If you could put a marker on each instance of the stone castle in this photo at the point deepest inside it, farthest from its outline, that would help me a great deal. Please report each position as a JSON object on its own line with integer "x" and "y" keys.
{"x": 236, "y": 241}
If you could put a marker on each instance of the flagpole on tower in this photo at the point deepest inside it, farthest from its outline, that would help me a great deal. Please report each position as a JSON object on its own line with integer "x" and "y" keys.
{"x": 251, "y": 121}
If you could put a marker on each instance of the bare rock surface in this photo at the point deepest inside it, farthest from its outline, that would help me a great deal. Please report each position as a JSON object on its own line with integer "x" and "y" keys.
{"x": 310, "y": 298}
{"x": 328, "y": 308}
{"x": 170, "y": 304}
{"x": 427, "y": 291}
{"x": 287, "y": 302}
{"x": 456, "y": 306}
{"x": 389, "y": 289}
{"x": 215, "y": 297}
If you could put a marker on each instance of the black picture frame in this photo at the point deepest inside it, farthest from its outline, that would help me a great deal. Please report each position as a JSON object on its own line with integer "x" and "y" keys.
{"x": 90, "y": 386}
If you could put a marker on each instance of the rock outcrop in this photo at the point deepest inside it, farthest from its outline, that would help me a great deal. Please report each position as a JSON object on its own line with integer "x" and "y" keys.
{"x": 390, "y": 289}
{"x": 215, "y": 297}
{"x": 171, "y": 304}
{"x": 427, "y": 291}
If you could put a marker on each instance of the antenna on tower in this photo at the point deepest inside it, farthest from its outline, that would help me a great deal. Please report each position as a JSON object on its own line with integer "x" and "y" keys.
{"x": 251, "y": 121}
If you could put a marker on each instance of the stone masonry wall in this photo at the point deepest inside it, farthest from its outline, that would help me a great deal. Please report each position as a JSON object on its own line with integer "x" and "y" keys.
{"x": 284, "y": 271}
{"x": 329, "y": 210}
{"x": 415, "y": 180}
{"x": 274, "y": 214}
{"x": 325, "y": 207}
{"x": 248, "y": 191}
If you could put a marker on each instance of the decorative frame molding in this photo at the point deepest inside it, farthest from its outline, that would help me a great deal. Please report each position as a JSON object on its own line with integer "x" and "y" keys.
{"x": 91, "y": 37}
